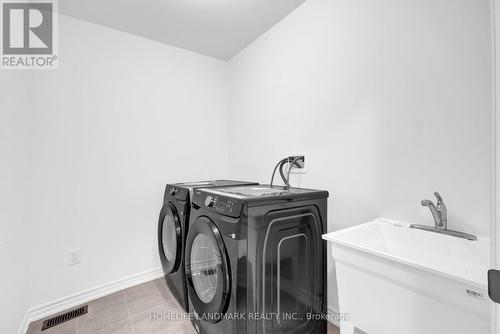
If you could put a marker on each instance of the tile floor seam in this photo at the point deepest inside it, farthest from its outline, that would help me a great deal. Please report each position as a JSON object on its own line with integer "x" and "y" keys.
{"x": 176, "y": 302}
{"x": 180, "y": 308}
{"x": 129, "y": 315}
{"x": 150, "y": 309}
{"x": 175, "y": 326}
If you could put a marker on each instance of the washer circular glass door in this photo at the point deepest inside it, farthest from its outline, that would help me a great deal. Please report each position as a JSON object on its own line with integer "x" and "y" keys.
{"x": 205, "y": 264}
{"x": 170, "y": 238}
{"x": 207, "y": 269}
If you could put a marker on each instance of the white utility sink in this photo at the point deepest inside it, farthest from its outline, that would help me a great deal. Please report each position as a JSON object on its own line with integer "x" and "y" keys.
{"x": 392, "y": 279}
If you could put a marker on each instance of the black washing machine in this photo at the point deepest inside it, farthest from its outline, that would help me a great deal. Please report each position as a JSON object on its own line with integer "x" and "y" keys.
{"x": 255, "y": 260}
{"x": 172, "y": 231}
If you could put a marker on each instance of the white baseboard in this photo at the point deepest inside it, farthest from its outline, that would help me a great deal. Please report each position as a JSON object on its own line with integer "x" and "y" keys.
{"x": 45, "y": 310}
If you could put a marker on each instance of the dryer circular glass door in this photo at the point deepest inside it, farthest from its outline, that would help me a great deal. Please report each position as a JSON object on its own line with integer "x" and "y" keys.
{"x": 170, "y": 238}
{"x": 207, "y": 270}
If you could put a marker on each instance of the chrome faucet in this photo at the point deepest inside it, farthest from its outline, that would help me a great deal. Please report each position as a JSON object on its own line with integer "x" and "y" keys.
{"x": 439, "y": 211}
{"x": 440, "y": 214}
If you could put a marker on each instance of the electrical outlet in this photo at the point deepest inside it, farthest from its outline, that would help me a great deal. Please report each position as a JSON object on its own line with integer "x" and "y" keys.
{"x": 305, "y": 163}
{"x": 74, "y": 257}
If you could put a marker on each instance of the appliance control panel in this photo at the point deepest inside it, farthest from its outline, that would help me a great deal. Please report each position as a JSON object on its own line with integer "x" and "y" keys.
{"x": 176, "y": 192}
{"x": 219, "y": 204}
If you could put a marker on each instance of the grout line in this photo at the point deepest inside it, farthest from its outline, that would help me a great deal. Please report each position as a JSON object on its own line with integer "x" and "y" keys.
{"x": 128, "y": 311}
{"x": 175, "y": 326}
{"x": 180, "y": 308}
{"x": 176, "y": 302}
{"x": 149, "y": 311}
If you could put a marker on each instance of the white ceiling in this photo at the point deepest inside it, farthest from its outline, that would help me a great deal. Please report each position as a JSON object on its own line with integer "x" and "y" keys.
{"x": 216, "y": 28}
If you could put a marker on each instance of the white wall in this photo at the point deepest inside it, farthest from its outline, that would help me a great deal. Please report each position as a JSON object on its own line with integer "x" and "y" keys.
{"x": 121, "y": 117}
{"x": 391, "y": 100}
{"x": 14, "y": 199}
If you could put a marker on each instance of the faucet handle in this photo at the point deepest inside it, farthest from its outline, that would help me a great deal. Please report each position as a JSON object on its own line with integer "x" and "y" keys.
{"x": 440, "y": 202}
{"x": 426, "y": 202}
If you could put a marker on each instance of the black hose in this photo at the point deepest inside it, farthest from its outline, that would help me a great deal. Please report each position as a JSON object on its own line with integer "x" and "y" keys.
{"x": 281, "y": 164}
{"x": 282, "y": 174}
{"x": 289, "y": 169}
{"x": 274, "y": 171}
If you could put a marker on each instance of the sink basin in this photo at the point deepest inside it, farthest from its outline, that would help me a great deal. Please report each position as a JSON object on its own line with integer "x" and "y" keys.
{"x": 435, "y": 283}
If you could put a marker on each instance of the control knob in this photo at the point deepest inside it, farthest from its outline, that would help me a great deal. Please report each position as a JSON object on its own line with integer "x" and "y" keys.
{"x": 173, "y": 191}
{"x": 209, "y": 201}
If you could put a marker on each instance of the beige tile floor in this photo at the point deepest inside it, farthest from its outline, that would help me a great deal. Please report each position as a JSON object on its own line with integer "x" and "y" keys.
{"x": 129, "y": 312}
